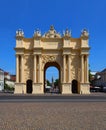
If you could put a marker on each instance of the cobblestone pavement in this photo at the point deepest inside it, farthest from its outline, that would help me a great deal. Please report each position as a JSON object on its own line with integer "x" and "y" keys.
{"x": 53, "y": 116}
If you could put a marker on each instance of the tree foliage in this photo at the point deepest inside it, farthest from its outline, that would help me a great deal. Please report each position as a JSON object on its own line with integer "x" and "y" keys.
{"x": 7, "y": 87}
{"x": 48, "y": 83}
{"x": 90, "y": 76}
{"x": 56, "y": 83}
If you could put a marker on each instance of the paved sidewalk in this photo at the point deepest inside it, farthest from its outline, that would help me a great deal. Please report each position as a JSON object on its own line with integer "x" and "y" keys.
{"x": 53, "y": 116}
{"x": 53, "y": 94}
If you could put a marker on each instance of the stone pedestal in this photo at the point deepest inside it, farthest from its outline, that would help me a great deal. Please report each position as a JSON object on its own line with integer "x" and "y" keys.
{"x": 20, "y": 88}
{"x": 38, "y": 88}
{"x": 84, "y": 88}
{"x": 66, "y": 88}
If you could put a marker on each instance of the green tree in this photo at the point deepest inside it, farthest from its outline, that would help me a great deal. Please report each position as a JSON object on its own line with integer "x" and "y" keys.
{"x": 56, "y": 83}
{"x": 7, "y": 87}
{"x": 48, "y": 83}
{"x": 90, "y": 76}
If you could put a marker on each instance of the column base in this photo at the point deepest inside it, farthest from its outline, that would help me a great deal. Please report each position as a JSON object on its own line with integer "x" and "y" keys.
{"x": 66, "y": 88}
{"x": 38, "y": 88}
{"x": 20, "y": 88}
{"x": 84, "y": 88}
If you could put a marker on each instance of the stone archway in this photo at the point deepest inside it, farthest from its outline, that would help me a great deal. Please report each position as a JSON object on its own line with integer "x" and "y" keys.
{"x": 29, "y": 88}
{"x": 74, "y": 86}
{"x": 54, "y": 64}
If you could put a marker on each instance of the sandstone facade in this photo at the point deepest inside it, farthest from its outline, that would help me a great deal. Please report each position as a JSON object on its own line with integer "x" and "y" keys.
{"x": 69, "y": 55}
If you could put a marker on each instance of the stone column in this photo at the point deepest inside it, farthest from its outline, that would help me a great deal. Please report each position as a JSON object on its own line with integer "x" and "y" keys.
{"x": 64, "y": 68}
{"x": 39, "y": 77}
{"x": 22, "y": 68}
{"x": 87, "y": 75}
{"x": 34, "y": 70}
{"x": 82, "y": 68}
{"x": 69, "y": 76}
{"x": 17, "y": 69}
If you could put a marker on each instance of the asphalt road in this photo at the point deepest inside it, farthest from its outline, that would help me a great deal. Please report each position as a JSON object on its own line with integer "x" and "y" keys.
{"x": 53, "y": 98}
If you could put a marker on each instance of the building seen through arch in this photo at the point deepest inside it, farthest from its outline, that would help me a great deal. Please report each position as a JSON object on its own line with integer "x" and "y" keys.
{"x": 54, "y": 82}
{"x": 69, "y": 55}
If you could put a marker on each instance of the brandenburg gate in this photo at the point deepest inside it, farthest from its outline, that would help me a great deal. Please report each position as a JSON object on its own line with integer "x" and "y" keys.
{"x": 69, "y": 55}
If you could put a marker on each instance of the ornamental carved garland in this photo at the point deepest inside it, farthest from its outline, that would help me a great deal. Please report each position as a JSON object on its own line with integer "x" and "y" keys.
{"x": 28, "y": 62}
{"x": 48, "y": 58}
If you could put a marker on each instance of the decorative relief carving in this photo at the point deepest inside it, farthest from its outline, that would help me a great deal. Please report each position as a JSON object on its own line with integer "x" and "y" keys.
{"x": 73, "y": 73}
{"x": 28, "y": 62}
{"x": 84, "y": 33}
{"x": 48, "y": 58}
{"x": 74, "y": 66}
{"x": 51, "y": 58}
{"x": 75, "y": 60}
{"x": 52, "y": 33}
{"x": 19, "y": 32}
{"x": 27, "y": 75}
{"x": 37, "y": 33}
{"x": 67, "y": 33}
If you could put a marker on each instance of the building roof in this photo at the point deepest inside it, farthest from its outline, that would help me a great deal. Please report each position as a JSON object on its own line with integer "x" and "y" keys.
{"x": 6, "y": 73}
{"x": 104, "y": 70}
{"x": 13, "y": 78}
{"x": 1, "y": 70}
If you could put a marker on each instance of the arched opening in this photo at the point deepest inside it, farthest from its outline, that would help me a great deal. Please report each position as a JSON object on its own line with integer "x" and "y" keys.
{"x": 52, "y": 78}
{"x": 29, "y": 86}
{"x": 74, "y": 86}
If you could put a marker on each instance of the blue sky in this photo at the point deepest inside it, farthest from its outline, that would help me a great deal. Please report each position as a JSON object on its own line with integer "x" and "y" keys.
{"x": 73, "y": 14}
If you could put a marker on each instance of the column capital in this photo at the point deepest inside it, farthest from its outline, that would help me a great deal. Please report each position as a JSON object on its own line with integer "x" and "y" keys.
{"x": 21, "y": 54}
{"x": 16, "y": 55}
{"x": 64, "y": 54}
{"x": 82, "y": 54}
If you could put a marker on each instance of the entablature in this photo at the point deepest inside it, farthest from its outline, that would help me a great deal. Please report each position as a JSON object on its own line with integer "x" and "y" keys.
{"x": 84, "y": 51}
{"x": 52, "y": 41}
